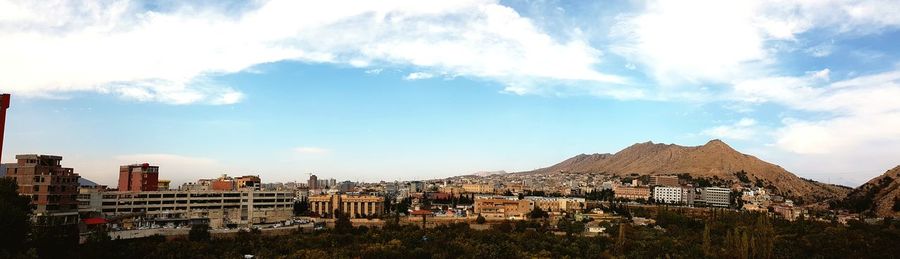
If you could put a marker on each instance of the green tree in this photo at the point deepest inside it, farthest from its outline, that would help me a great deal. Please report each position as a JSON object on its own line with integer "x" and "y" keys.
{"x": 199, "y": 232}
{"x": 301, "y": 207}
{"x": 480, "y": 219}
{"x": 538, "y": 213}
{"x": 342, "y": 223}
{"x": 15, "y": 218}
{"x": 707, "y": 243}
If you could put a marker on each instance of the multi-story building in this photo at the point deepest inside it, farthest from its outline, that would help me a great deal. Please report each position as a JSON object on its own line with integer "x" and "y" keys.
{"x": 227, "y": 183}
{"x": 416, "y": 186}
{"x": 558, "y": 204}
{"x": 217, "y": 208}
{"x": 716, "y": 196}
{"x": 357, "y": 206}
{"x": 663, "y": 180}
{"x": 163, "y": 185}
{"x": 53, "y": 189}
{"x": 688, "y": 195}
{"x": 138, "y": 177}
{"x": 631, "y": 193}
{"x": 668, "y": 194}
{"x": 493, "y": 207}
{"x": 478, "y": 188}
{"x": 313, "y": 182}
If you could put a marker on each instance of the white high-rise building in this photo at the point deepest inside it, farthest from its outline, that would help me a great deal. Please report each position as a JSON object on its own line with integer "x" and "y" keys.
{"x": 667, "y": 194}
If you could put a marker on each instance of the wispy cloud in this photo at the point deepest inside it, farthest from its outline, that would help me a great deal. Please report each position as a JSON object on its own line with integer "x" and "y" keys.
{"x": 168, "y": 56}
{"x": 418, "y": 76}
{"x": 743, "y": 129}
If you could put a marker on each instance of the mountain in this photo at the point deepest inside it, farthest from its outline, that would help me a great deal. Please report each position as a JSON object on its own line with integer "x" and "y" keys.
{"x": 715, "y": 159}
{"x": 879, "y": 196}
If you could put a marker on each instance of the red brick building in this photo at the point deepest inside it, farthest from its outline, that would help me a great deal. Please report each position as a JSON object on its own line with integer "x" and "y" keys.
{"x": 53, "y": 189}
{"x": 138, "y": 177}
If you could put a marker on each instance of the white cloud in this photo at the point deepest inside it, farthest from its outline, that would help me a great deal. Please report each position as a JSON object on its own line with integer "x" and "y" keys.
{"x": 741, "y": 130}
{"x": 374, "y": 71}
{"x": 418, "y": 76}
{"x": 698, "y": 41}
{"x": 311, "y": 150}
{"x": 116, "y": 47}
{"x": 852, "y": 113}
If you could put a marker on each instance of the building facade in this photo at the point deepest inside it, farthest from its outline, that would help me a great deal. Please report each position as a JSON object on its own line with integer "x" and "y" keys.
{"x": 668, "y": 194}
{"x": 631, "y": 193}
{"x": 218, "y": 208}
{"x": 558, "y": 204}
{"x": 498, "y": 208}
{"x": 478, "y": 188}
{"x": 138, "y": 177}
{"x": 53, "y": 189}
{"x": 664, "y": 180}
{"x": 356, "y": 206}
{"x": 716, "y": 196}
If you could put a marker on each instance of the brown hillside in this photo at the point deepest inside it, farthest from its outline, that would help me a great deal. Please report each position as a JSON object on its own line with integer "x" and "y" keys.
{"x": 714, "y": 159}
{"x": 878, "y": 195}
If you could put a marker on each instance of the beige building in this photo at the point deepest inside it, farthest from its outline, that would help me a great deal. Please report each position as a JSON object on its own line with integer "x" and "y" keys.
{"x": 219, "y": 208}
{"x": 558, "y": 204}
{"x": 631, "y": 193}
{"x": 478, "y": 188}
{"x": 163, "y": 185}
{"x": 664, "y": 180}
{"x": 498, "y": 208}
{"x": 357, "y": 206}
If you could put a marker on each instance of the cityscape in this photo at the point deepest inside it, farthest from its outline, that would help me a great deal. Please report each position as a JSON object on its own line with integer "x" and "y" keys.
{"x": 476, "y": 129}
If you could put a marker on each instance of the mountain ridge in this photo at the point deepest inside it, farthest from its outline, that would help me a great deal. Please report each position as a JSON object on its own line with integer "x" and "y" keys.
{"x": 715, "y": 159}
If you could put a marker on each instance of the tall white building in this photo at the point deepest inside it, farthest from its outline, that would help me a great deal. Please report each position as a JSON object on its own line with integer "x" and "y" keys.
{"x": 667, "y": 194}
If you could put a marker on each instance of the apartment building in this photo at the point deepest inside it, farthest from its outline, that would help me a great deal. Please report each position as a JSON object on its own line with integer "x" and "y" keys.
{"x": 558, "y": 204}
{"x": 631, "y": 193}
{"x": 501, "y": 207}
{"x": 664, "y": 180}
{"x": 478, "y": 188}
{"x": 53, "y": 189}
{"x": 668, "y": 194}
{"x": 715, "y": 196}
{"x": 138, "y": 177}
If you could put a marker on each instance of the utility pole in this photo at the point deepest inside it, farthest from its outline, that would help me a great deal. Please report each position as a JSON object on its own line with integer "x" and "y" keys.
{"x": 4, "y": 104}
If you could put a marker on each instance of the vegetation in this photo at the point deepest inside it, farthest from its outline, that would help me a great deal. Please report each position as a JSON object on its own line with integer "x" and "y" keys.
{"x": 677, "y": 233}
{"x": 199, "y": 232}
{"x": 14, "y": 218}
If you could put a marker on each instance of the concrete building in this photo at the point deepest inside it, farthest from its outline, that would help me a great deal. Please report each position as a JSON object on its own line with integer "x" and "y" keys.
{"x": 227, "y": 183}
{"x": 313, "y": 182}
{"x": 138, "y": 177}
{"x": 217, "y": 208}
{"x": 558, "y": 204}
{"x": 478, "y": 188}
{"x": 631, "y": 193}
{"x": 667, "y": 194}
{"x": 715, "y": 196}
{"x": 663, "y": 180}
{"x": 357, "y": 206}
{"x": 501, "y": 207}
{"x": 416, "y": 186}
{"x": 53, "y": 189}
{"x": 163, "y": 185}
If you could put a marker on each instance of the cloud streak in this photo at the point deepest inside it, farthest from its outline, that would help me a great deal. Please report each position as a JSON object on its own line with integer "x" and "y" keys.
{"x": 172, "y": 56}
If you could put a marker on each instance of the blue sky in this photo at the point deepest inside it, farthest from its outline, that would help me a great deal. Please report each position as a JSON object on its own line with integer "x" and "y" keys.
{"x": 417, "y": 89}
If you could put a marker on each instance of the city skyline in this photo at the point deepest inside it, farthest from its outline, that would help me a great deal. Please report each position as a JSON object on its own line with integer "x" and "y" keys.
{"x": 418, "y": 90}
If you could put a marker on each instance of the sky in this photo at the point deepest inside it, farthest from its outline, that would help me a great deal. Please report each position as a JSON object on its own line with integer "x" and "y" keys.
{"x": 400, "y": 90}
